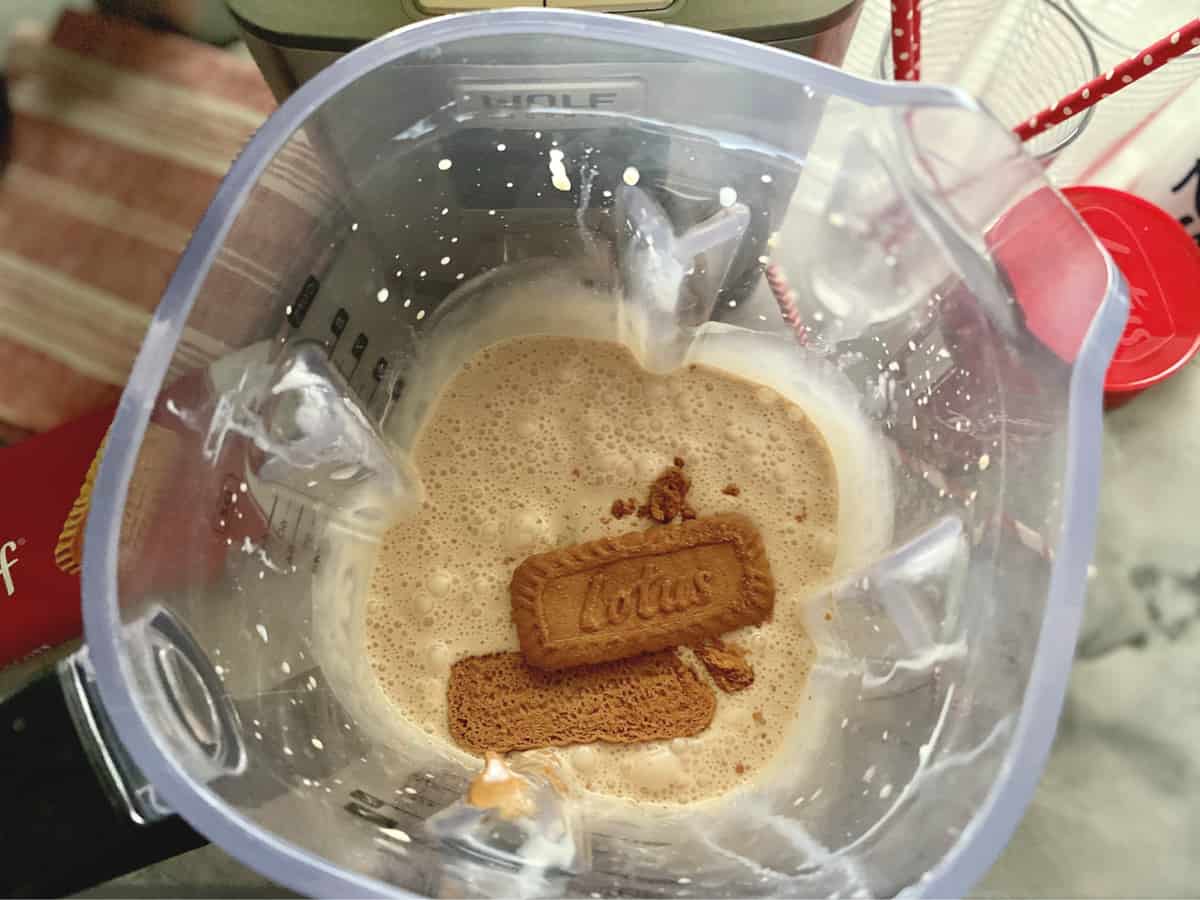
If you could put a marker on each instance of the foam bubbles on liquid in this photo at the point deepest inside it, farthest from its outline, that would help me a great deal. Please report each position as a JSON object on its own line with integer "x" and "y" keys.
{"x": 499, "y": 453}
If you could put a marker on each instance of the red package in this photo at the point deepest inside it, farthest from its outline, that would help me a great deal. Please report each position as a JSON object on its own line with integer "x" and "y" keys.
{"x": 48, "y": 480}
{"x": 40, "y": 480}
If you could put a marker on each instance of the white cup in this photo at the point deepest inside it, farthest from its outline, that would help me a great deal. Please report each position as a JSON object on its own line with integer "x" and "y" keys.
{"x": 1161, "y": 161}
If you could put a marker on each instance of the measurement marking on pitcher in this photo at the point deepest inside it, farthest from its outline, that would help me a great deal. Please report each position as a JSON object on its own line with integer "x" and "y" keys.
{"x": 377, "y": 373}
{"x": 357, "y": 351}
{"x": 281, "y": 529}
{"x": 270, "y": 519}
{"x": 225, "y": 508}
{"x": 338, "y": 326}
{"x": 291, "y": 550}
{"x": 304, "y": 299}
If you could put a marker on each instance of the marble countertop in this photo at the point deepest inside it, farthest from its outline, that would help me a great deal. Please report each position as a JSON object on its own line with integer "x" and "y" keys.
{"x": 1117, "y": 813}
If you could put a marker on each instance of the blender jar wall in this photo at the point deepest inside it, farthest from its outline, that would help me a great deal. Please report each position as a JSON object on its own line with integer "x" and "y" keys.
{"x": 273, "y": 456}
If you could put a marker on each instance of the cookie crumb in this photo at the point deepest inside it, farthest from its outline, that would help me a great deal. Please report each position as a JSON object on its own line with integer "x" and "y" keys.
{"x": 679, "y": 462}
{"x": 828, "y": 616}
{"x": 575, "y": 472}
{"x": 759, "y": 717}
{"x": 731, "y": 490}
{"x": 726, "y": 663}
{"x": 622, "y": 508}
{"x": 687, "y": 514}
{"x": 668, "y": 496}
{"x": 740, "y": 769}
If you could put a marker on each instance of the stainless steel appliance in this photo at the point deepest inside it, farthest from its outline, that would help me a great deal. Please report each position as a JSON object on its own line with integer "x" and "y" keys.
{"x": 292, "y": 41}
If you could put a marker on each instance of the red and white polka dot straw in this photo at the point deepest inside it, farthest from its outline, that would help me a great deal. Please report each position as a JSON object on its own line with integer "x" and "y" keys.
{"x": 906, "y": 40}
{"x": 1139, "y": 65}
{"x": 785, "y": 297}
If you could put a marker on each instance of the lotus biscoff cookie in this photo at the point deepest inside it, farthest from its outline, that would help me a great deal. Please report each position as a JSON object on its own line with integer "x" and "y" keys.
{"x": 637, "y": 593}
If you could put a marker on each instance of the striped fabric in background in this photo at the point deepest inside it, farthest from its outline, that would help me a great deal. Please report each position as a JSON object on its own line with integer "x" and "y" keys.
{"x": 120, "y": 136}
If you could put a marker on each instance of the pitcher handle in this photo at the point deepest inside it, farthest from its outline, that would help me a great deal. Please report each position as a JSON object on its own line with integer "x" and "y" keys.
{"x": 65, "y": 826}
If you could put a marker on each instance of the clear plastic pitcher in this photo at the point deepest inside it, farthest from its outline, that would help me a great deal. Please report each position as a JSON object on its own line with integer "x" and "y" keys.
{"x": 379, "y": 228}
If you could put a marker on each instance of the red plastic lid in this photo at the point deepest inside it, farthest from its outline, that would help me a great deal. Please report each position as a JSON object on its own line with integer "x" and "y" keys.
{"x": 1161, "y": 263}
{"x": 1031, "y": 240}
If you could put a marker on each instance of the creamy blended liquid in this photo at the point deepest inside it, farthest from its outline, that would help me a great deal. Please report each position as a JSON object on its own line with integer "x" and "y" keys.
{"x": 524, "y": 451}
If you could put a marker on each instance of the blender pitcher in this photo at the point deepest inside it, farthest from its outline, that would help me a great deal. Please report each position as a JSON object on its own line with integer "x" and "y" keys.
{"x": 389, "y": 220}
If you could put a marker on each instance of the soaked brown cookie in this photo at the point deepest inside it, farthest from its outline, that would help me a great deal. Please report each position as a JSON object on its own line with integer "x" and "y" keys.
{"x": 498, "y": 703}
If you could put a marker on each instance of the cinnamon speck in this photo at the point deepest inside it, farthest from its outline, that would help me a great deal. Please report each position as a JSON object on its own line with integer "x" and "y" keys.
{"x": 575, "y": 473}
{"x": 759, "y": 717}
{"x": 731, "y": 490}
{"x": 828, "y": 616}
{"x": 679, "y": 462}
{"x": 740, "y": 769}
